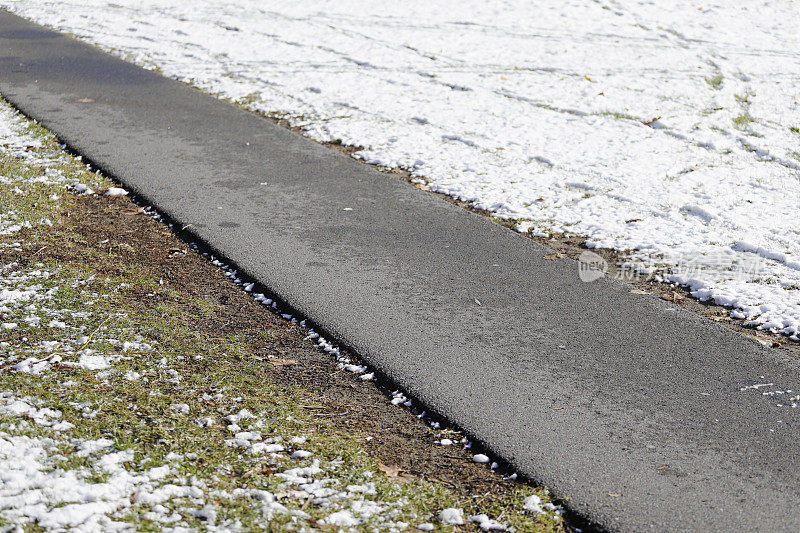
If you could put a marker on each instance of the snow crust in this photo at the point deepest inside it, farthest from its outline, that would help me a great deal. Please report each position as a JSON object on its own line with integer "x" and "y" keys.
{"x": 667, "y": 128}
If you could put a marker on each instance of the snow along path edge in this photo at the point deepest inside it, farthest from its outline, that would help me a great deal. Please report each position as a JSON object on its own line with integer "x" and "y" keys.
{"x": 586, "y": 387}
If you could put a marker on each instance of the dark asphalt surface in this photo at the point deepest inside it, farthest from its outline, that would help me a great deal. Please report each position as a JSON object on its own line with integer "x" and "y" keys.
{"x": 585, "y": 387}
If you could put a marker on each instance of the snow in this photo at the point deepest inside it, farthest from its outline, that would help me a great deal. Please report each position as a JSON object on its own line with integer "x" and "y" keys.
{"x": 782, "y": 396}
{"x": 116, "y": 191}
{"x": 452, "y": 516}
{"x": 32, "y": 365}
{"x": 486, "y": 523}
{"x": 248, "y": 435}
{"x": 480, "y": 458}
{"x": 205, "y": 422}
{"x": 93, "y": 362}
{"x": 180, "y": 408}
{"x": 80, "y": 188}
{"x": 300, "y": 476}
{"x": 243, "y": 414}
{"x": 660, "y": 127}
{"x": 301, "y": 454}
{"x": 366, "y": 488}
{"x": 342, "y": 519}
{"x": 533, "y": 504}
{"x": 91, "y": 446}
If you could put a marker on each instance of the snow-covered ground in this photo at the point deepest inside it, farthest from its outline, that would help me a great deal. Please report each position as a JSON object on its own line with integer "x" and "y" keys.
{"x": 668, "y": 128}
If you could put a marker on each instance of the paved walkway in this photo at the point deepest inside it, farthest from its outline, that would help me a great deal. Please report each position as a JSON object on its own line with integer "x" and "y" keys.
{"x": 626, "y": 406}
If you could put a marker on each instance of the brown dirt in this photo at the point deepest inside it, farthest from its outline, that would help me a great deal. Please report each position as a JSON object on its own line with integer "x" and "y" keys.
{"x": 117, "y": 226}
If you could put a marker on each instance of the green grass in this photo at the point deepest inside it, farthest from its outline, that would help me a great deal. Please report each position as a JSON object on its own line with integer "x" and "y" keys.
{"x": 715, "y": 82}
{"x": 710, "y": 111}
{"x": 617, "y": 115}
{"x": 742, "y": 120}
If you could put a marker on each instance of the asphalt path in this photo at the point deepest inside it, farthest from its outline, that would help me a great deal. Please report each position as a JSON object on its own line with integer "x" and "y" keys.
{"x": 623, "y": 404}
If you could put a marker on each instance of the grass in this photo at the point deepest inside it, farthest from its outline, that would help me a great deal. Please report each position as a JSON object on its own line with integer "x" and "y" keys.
{"x": 742, "y": 120}
{"x": 708, "y": 111}
{"x": 617, "y": 115}
{"x": 248, "y": 100}
{"x": 715, "y": 82}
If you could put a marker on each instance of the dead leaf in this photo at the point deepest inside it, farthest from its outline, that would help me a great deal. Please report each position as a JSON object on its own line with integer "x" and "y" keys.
{"x": 639, "y": 291}
{"x": 760, "y": 341}
{"x": 85, "y": 100}
{"x": 283, "y": 362}
{"x": 259, "y": 469}
{"x": 324, "y": 527}
{"x": 390, "y": 471}
{"x": 672, "y": 297}
{"x": 553, "y": 257}
{"x": 614, "y": 495}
